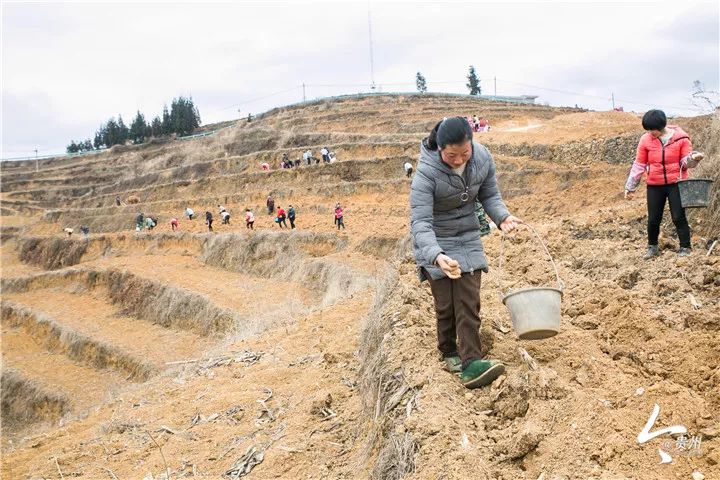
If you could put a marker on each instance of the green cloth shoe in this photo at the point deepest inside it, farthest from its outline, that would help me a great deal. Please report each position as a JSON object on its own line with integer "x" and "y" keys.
{"x": 481, "y": 372}
{"x": 453, "y": 364}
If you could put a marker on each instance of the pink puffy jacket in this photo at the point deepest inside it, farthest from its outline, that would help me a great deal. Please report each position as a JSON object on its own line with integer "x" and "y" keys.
{"x": 665, "y": 164}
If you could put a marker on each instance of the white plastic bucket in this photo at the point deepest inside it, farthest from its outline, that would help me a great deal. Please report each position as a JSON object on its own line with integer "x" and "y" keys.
{"x": 535, "y": 311}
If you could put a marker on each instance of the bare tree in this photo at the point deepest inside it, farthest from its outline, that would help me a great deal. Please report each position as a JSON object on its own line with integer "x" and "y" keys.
{"x": 705, "y": 100}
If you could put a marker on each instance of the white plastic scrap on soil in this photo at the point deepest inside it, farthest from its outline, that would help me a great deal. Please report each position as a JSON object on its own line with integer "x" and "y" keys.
{"x": 245, "y": 464}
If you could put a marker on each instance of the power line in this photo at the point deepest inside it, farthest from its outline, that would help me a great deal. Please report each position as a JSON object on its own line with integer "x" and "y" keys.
{"x": 456, "y": 82}
{"x": 554, "y": 90}
{"x": 259, "y": 98}
{"x": 591, "y": 96}
{"x": 338, "y": 85}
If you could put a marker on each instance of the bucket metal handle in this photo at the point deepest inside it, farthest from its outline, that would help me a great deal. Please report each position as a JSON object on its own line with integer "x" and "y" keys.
{"x": 561, "y": 285}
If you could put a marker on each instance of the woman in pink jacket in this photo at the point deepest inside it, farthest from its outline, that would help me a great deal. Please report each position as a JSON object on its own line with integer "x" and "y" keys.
{"x": 665, "y": 153}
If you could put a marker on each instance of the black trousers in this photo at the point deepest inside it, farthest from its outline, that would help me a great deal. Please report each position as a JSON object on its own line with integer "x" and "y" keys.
{"x": 656, "y": 197}
{"x": 292, "y": 222}
{"x": 457, "y": 311}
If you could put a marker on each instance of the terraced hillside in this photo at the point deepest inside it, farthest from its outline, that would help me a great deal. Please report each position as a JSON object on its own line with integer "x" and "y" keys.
{"x": 310, "y": 353}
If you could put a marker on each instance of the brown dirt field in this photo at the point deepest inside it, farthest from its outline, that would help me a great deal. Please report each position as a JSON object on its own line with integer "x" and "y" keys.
{"x": 85, "y": 386}
{"x": 564, "y": 128}
{"x": 10, "y": 264}
{"x": 301, "y": 364}
{"x": 89, "y": 313}
{"x": 241, "y": 293}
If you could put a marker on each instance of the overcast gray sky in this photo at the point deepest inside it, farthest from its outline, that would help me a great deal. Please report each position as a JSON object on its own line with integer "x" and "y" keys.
{"x": 68, "y": 67}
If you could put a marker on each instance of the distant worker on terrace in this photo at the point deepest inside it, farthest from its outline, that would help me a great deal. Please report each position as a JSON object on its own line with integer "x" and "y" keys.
{"x": 408, "y": 169}
{"x": 249, "y": 219}
{"x": 470, "y": 122}
{"x": 291, "y": 216}
{"x": 139, "y": 221}
{"x": 209, "y": 220}
{"x": 339, "y": 216}
{"x": 280, "y": 220}
{"x": 665, "y": 152}
{"x": 480, "y": 213}
{"x": 149, "y": 223}
{"x": 189, "y": 213}
{"x": 174, "y": 224}
{"x": 453, "y": 171}
{"x": 225, "y": 215}
{"x": 483, "y": 125}
{"x": 270, "y": 204}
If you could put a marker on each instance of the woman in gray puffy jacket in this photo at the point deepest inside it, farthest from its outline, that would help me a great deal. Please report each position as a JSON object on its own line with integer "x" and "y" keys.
{"x": 454, "y": 172}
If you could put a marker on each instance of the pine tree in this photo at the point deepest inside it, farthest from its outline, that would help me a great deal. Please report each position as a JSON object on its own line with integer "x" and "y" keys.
{"x": 184, "y": 117}
{"x": 420, "y": 83}
{"x": 473, "y": 82}
{"x": 111, "y": 133}
{"x": 183, "y": 120}
{"x": 98, "y": 141}
{"x": 194, "y": 115}
{"x": 123, "y": 131}
{"x": 175, "y": 123}
{"x": 156, "y": 127}
{"x": 166, "y": 122}
{"x": 138, "y": 129}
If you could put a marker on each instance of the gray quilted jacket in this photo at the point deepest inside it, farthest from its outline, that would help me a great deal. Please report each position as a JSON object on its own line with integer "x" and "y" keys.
{"x": 442, "y": 205}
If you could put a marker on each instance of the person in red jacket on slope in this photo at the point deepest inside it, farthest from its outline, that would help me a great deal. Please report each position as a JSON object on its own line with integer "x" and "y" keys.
{"x": 280, "y": 220}
{"x": 665, "y": 153}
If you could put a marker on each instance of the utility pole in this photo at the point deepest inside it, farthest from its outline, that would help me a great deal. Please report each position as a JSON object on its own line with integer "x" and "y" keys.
{"x": 37, "y": 165}
{"x": 495, "y": 81}
{"x": 303, "y": 92}
{"x": 612, "y": 96}
{"x": 372, "y": 66}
